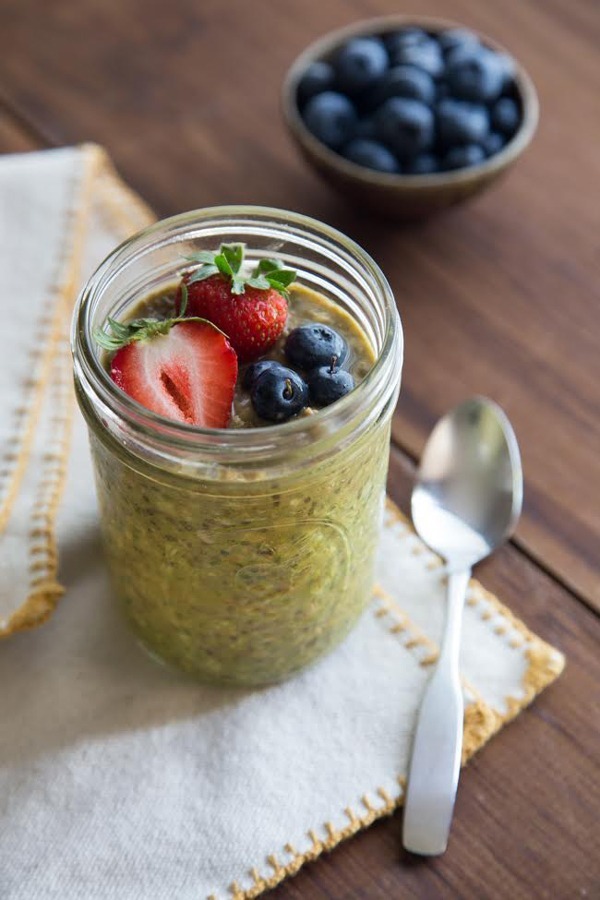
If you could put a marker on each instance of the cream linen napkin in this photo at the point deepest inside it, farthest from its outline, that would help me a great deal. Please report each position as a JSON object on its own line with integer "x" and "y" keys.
{"x": 120, "y": 779}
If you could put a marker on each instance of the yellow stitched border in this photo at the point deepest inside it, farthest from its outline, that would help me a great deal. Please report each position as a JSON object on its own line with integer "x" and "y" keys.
{"x": 46, "y": 590}
{"x": 19, "y": 456}
{"x": 481, "y": 722}
{"x": 129, "y": 214}
{"x": 43, "y": 568}
{"x": 44, "y": 572}
{"x": 402, "y": 624}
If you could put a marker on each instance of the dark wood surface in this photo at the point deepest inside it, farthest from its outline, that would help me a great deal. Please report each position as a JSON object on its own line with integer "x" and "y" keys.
{"x": 500, "y": 297}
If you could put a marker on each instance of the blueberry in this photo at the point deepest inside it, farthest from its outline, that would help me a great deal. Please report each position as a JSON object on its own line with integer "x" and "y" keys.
{"x": 257, "y": 368}
{"x": 359, "y": 63}
{"x": 462, "y": 53}
{"x": 318, "y": 77}
{"x": 371, "y": 154}
{"x": 395, "y": 41}
{"x": 331, "y": 117}
{"x": 278, "y": 394}
{"x": 457, "y": 37}
{"x": 462, "y": 157}
{"x": 423, "y": 164}
{"x": 426, "y": 55}
{"x": 505, "y": 116}
{"x": 313, "y": 344}
{"x": 406, "y": 126}
{"x": 475, "y": 73}
{"x": 403, "y": 81}
{"x": 328, "y": 384}
{"x": 461, "y": 123}
{"x": 493, "y": 143}
{"x": 507, "y": 64}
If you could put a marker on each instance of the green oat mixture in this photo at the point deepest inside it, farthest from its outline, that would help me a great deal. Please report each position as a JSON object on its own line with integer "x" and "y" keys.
{"x": 244, "y": 581}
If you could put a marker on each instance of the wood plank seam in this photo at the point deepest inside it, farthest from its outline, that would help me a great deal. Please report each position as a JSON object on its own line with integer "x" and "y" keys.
{"x": 23, "y": 121}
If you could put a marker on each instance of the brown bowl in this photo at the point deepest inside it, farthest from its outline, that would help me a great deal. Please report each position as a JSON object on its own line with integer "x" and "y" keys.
{"x": 402, "y": 196}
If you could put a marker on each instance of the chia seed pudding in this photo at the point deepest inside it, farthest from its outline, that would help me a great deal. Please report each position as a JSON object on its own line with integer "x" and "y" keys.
{"x": 244, "y": 572}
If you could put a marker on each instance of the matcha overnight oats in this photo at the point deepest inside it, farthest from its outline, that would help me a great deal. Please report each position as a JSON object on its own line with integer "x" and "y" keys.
{"x": 242, "y": 554}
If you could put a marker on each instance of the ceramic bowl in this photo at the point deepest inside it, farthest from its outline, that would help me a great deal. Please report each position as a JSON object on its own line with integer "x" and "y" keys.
{"x": 401, "y": 196}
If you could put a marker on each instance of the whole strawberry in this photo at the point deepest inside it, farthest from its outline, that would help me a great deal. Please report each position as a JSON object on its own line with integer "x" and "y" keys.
{"x": 252, "y": 310}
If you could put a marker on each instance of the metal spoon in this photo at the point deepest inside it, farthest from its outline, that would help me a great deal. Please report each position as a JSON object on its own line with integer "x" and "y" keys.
{"x": 465, "y": 503}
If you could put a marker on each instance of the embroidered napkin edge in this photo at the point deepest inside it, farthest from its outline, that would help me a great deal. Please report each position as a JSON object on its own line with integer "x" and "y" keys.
{"x": 98, "y": 182}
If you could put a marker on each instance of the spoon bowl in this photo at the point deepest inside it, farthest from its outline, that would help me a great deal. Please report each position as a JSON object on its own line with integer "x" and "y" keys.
{"x": 465, "y": 503}
{"x": 469, "y": 491}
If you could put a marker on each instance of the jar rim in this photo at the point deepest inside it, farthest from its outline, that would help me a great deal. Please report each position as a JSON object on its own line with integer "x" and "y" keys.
{"x": 185, "y": 436}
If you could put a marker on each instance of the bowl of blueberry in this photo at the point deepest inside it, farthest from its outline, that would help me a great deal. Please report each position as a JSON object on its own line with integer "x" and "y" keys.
{"x": 407, "y": 118}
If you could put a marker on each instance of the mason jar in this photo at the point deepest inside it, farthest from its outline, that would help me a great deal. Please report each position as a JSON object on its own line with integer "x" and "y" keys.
{"x": 240, "y": 555}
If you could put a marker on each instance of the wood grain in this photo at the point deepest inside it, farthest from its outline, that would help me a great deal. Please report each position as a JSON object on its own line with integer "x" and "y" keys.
{"x": 526, "y": 815}
{"x": 14, "y": 135}
{"x": 500, "y": 298}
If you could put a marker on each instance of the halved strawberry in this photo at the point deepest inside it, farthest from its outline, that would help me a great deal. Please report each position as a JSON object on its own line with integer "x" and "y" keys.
{"x": 187, "y": 374}
{"x": 252, "y": 310}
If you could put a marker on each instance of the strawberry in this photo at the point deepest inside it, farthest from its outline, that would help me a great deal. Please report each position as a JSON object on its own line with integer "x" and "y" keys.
{"x": 185, "y": 370}
{"x": 253, "y": 320}
{"x": 252, "y": 311}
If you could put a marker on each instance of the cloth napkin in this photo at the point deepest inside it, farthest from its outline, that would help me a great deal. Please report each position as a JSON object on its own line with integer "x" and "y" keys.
{"x": 118, "y": 778}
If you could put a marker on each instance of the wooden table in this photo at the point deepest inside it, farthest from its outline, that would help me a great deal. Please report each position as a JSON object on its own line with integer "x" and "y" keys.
{"x": 500, "y": 297}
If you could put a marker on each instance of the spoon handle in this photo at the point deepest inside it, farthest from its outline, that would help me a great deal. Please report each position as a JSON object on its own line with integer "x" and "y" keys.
{"x": 436, "y": 751}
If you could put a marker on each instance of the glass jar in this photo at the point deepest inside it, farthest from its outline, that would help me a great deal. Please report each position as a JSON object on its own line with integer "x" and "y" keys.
{"x": 240, "y": 555}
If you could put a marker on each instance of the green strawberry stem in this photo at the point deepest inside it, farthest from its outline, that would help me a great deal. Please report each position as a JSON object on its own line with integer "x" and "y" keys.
{"x": 269, "y": 274}
{"x": 184, "y": 299}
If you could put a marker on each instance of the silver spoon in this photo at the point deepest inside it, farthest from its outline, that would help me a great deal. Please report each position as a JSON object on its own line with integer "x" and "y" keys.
{"x": 465, "y": 503}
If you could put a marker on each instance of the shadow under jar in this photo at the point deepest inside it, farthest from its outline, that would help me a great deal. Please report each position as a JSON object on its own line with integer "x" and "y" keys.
{"x": 240, "y": 555}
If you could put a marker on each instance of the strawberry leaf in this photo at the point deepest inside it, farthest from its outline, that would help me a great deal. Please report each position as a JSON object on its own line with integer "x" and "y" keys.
{"x": 281, "y": 279}
{"x": 144, "y": 329}
{"x": 260, "y": 282}
{"x": 136, "y": 330}
{"x": 227, "y": 261}
{"x": 222, "y": 264}
{"x": 118, "y": 329}
{"x": 234, "y": 254}
{"x": 267, "y": 265}
{"x": 207, "y": 271}
{"x": 269, "y": 273}
{"x": 202, "y": 256}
